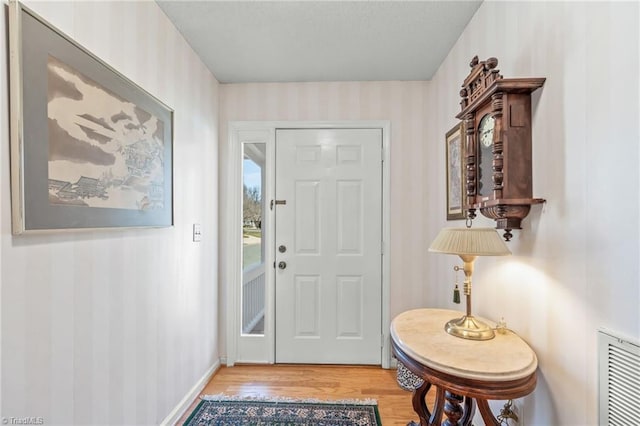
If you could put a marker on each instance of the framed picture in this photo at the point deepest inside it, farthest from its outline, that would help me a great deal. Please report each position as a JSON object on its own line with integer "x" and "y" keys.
{"x": 455, "y": 181}
{"x": 89, "y": 148}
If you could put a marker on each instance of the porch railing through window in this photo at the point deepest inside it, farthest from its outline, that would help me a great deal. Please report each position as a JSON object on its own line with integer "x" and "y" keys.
{"x": 253, "y": 299}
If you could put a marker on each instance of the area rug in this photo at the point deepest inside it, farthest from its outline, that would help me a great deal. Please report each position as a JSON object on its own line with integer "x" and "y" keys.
{"x": 221, "y": 410}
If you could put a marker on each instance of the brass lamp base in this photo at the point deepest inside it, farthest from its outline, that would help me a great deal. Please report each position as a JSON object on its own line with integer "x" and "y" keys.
{"x": 469, "y": 327}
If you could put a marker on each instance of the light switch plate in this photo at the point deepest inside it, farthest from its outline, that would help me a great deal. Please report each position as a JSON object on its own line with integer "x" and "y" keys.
{"x": 197, "y": 232}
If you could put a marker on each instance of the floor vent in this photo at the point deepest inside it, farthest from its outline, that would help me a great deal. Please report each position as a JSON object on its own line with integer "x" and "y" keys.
{"x": 619, "y": 381}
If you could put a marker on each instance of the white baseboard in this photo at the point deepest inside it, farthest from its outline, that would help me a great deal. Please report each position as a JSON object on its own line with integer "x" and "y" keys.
{"x": 184, "y": 404}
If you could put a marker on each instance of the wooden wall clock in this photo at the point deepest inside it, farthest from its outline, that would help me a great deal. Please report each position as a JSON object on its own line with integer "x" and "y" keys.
{"x": 496, "y": 114}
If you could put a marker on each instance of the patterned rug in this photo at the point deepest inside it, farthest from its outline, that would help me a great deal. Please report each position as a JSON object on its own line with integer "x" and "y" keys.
{"x": 221, "y": 410}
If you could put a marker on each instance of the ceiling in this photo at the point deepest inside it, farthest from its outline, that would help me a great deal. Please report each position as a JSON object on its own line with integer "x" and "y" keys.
{"x": 294, "y": 41}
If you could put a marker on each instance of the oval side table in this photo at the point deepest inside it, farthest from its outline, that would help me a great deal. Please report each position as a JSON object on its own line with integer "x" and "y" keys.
{"x": 465, "y": 372}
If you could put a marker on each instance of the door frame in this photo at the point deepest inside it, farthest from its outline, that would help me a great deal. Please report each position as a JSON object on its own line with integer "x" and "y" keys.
{"x": 261, "y": 349}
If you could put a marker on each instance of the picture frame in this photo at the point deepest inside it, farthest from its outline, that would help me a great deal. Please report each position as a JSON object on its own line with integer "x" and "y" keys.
{"x": 454, "y": 142}
{"x": 90, "y": 149}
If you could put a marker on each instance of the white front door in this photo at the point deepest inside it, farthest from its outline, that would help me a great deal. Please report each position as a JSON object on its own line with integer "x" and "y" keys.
{"x": 328, "y": 240}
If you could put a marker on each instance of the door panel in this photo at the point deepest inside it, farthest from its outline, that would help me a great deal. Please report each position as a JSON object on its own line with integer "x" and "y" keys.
{"x": 307, "y": 306}
{"x": 349, "y": 216}
{"x": 328, "y": 297}
{"x": 307, "y": 228}
{"x": 349, "y": 307}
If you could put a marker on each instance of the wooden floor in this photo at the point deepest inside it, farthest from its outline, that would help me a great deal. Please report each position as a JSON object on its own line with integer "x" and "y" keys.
{"x": 316, "y": 381}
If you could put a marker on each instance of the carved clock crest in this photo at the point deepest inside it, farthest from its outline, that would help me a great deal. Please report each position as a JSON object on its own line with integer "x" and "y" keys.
{"x": 497, "y": 119}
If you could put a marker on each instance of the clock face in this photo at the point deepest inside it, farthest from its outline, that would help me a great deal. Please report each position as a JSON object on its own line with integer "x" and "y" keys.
{"x": 485, "y": 130}
{"x": 485, "y": 155}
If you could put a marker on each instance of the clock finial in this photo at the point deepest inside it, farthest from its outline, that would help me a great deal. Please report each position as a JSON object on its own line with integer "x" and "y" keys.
{"x": 491, "y": 63}
{"x": 474, "y": 61}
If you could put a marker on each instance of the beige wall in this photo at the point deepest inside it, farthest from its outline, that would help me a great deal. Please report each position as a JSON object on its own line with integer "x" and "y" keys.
{"x": 404, "y": 104}
{"x": 115, "y": 327}
{"x": 575, "y": 265}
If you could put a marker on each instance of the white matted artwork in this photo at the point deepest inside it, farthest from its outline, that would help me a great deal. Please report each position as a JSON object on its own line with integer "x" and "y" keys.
{"x": 90, "y": 149}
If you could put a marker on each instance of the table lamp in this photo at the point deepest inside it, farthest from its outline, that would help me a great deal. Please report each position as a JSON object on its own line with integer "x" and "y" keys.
{"x": 469, "y": 243}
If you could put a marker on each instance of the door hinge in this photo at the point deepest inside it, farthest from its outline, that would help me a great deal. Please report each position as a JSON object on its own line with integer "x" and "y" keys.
{"x": 382, "y": 340}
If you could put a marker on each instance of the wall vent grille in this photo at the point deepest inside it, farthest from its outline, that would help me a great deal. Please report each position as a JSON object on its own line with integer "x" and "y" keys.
{"x": 619, "y": 381}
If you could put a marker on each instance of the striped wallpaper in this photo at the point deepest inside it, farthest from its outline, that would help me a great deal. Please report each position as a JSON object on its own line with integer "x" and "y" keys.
{"x": 115, "y": 327}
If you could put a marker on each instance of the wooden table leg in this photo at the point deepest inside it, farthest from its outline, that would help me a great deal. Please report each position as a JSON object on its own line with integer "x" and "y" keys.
{"x": 420, "y": 403}
{"x": 487, "y": 415}
{"x": 452, "y": 409}
{"x": 469, "y": 411}
{"x": 438, "y": 407}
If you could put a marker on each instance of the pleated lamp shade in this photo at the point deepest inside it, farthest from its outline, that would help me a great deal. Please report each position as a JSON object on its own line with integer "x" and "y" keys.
{"x": 470, "y": 242}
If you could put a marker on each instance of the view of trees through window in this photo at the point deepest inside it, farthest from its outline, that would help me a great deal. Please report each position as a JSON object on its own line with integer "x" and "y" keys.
{"x": 252, "y": 214}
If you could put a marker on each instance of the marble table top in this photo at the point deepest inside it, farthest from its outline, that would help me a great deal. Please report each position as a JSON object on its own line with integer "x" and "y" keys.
{"x": 420, "y": 334}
